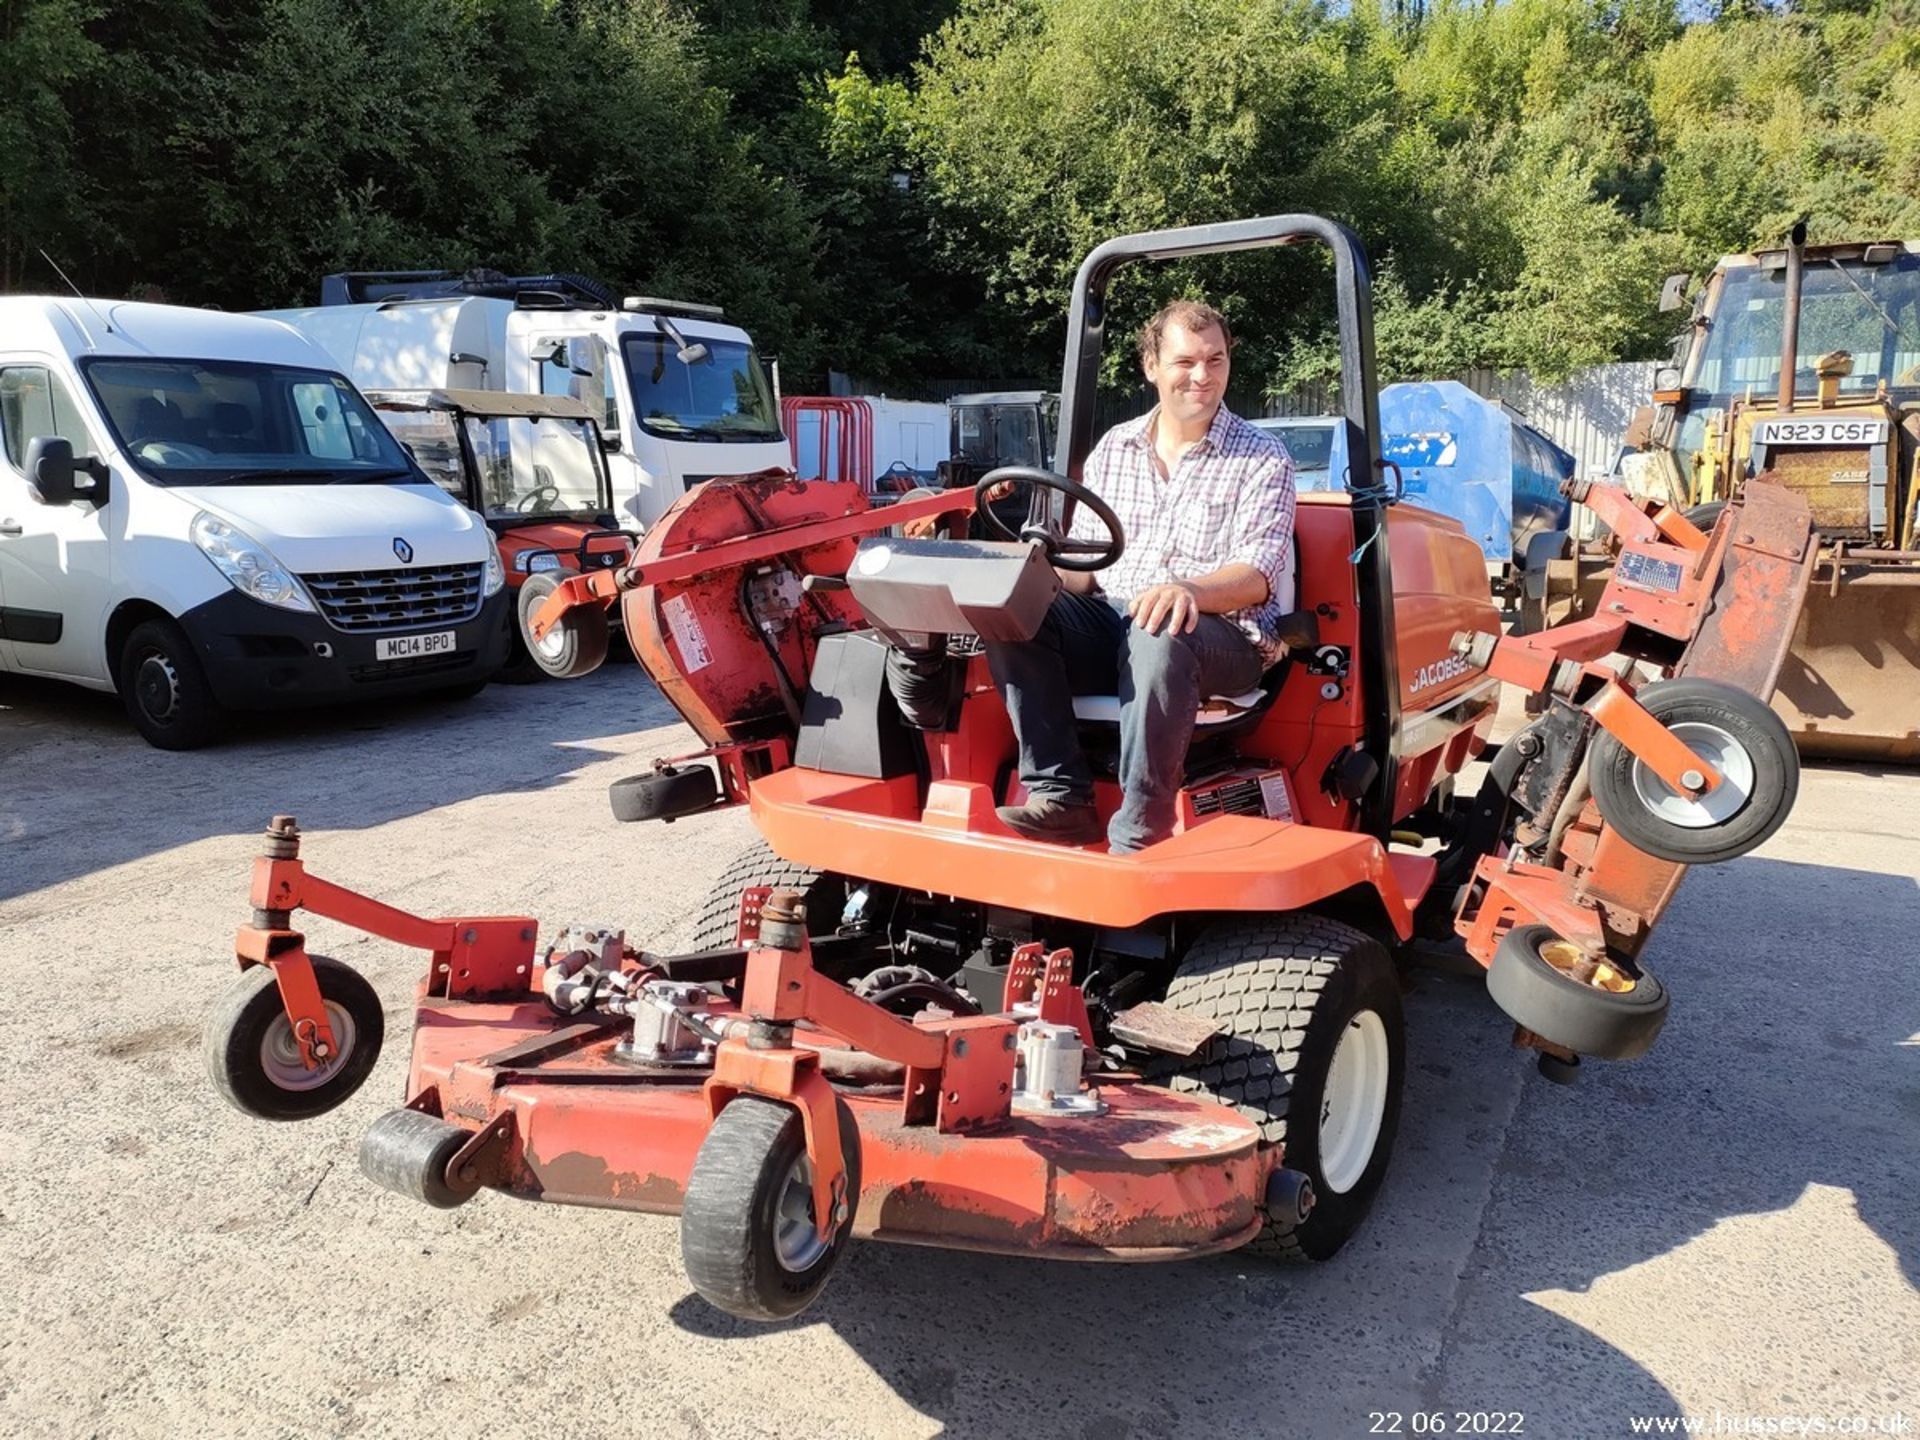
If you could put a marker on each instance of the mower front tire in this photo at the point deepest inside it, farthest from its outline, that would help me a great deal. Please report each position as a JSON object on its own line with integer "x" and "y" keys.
{"x": 719, "y": 923}
{"x": 1313, "y": 1050}
{"x": 253, "y": 1057}
{"x": 747, "y": 1231}
{"x": 576, "y": 646}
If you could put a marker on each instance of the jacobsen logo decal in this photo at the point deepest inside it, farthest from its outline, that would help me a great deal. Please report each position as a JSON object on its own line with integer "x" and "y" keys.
{"x": 1438, "y": 673}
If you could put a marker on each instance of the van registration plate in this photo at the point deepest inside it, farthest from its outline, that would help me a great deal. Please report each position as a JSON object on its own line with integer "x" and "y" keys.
{"x": 410, "y": 647}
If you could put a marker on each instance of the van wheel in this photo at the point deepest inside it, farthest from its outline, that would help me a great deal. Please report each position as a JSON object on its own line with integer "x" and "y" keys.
{"x": 165, "y": 689}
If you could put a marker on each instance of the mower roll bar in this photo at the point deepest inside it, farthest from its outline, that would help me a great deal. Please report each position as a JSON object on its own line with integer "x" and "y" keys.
{"x": 1360, "y": 406}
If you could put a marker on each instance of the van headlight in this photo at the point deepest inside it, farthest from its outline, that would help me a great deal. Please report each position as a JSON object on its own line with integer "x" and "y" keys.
{"x": 249, "y": 565}
{"x": 496, "y": 572}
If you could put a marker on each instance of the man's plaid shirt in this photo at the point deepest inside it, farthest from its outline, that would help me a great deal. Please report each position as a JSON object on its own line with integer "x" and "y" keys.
{"x": 1230, "y": 499}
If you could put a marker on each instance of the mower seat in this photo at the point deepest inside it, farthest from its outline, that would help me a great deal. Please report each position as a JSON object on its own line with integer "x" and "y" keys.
{"x": 1298, "y": 630}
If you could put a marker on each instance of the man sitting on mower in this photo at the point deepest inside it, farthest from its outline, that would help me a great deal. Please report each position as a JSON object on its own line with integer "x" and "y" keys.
{"x": 1191, "y": 608}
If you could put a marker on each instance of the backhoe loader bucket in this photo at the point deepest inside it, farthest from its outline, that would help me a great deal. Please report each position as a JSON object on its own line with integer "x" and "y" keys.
{"x": 1850, "y": 689}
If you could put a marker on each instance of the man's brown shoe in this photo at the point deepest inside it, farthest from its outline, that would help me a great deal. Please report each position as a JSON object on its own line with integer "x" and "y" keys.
{"x": 1048, "y": 817}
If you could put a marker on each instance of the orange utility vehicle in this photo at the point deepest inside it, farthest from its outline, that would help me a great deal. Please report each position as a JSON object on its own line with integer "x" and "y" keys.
{"x": 534, "y": 468}
{"x": 908, "y": 1023}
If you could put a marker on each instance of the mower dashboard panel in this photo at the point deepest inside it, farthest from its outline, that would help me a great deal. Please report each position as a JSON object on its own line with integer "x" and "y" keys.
{"x": 998, "y": 591}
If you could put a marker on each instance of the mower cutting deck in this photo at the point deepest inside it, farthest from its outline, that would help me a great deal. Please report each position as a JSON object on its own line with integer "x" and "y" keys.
{"x": 908, "y": 1023}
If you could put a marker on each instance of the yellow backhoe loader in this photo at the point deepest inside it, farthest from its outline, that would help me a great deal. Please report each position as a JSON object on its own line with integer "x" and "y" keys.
{"x": 1803, "y": 363}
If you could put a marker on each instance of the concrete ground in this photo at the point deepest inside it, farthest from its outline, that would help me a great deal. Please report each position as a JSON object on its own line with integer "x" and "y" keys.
{"x": 1726, "y": 1229}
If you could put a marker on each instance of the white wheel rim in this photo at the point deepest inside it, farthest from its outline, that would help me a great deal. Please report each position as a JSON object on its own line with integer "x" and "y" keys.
{"x": 1720, "y": 804}
{"x": 796, "y": 1239}
{"x": 1354, "y": 1102}
{"x": 551, "y": 644}
{"x": 280, "y": 1051}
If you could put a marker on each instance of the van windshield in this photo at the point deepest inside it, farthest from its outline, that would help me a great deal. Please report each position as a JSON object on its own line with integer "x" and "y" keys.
{"x": 724, "y": 397}
{"x": 216, "y": 422}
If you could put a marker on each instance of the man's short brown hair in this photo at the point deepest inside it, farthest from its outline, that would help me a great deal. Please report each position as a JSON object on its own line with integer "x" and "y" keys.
{"x": 1195, "y": 315}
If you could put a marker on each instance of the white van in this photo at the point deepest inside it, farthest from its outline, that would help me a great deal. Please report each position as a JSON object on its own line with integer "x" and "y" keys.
{"x": 198, "y": 511}
{"x": 680, "y": 395}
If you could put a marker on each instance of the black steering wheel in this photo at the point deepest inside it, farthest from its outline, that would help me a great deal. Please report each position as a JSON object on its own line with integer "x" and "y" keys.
{"x": 538, "y": 502}
{"x": 1063, "y": 553}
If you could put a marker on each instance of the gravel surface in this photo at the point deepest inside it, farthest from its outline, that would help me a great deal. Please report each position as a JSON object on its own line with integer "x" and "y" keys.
{"x": 1728, "y": 1225}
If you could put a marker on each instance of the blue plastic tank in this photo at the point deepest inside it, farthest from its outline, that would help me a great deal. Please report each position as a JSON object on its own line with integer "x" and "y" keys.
{"x": 1462, "y": 455}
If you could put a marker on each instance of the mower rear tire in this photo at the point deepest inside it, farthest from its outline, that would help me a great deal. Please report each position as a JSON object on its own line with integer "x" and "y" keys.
{"x": 1535, "y": 977}
{"x": 719, "y": 923}
{"x": 577, "y": 645}
{"x": 408, "y": 1153}
{"x": 1313, "y": 1051}
{"x": 1740, "y": 736}
{"x": 747, "y": 1232}
{"x": 254, "y": 1059}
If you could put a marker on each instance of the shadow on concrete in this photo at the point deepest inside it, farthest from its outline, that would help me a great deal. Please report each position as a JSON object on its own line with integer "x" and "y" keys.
{"x": 1787, "y": 1063}
{"x": 68, "y": 754}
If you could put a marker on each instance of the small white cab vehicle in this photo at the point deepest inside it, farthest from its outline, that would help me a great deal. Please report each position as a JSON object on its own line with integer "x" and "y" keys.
{"x": 679, "y": 394}
{"x": 199, "y": 512}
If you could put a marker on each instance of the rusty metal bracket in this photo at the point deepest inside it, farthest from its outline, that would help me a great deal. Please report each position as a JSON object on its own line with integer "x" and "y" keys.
{"x": 487, "y": 1158}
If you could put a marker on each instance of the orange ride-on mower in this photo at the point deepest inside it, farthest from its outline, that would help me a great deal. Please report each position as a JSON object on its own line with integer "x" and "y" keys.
{"x": 905, "y": 1022}
{"x": 534, "y": 468}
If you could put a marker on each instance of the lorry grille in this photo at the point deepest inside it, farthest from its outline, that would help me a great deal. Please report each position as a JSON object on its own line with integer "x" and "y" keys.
{"x": 363, "y": 601}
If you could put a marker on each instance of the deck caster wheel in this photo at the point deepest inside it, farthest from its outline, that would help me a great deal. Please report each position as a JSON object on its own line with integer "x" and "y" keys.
{"x": 408, "y": 1153}
{"x": 254, "y": 1059}
{"x": 577, "y": 645}
{"x": 747, "y": 1232}
{"x": 1734, "y": 732}
{"x": 1548, "y": 985}
{"x": 1559, "y": 1071}
{"x": 664, "y": 794}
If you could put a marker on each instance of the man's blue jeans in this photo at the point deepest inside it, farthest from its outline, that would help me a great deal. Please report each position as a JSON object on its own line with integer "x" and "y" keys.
{"x": 1089, "y": 646}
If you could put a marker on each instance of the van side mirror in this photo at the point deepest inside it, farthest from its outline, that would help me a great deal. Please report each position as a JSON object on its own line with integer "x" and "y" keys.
{"x": 1673, "y": 291}
{"x": 57, "y": 478}
{"x": 609, "y": 444}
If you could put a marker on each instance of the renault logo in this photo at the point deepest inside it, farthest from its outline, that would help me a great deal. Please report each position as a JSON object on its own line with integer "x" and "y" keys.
{"x": 403, "y": 550}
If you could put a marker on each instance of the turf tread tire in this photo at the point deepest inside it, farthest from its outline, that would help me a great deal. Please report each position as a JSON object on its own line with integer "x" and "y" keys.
{"x": 758, "y": 865}
{"x": 1263, "y": 981}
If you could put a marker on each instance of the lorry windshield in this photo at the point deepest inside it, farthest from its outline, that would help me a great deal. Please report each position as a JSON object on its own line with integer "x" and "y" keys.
{"x": 1870, "y": 311}
{"x": 724, "y": 397}
{"x": 213, "y": 422}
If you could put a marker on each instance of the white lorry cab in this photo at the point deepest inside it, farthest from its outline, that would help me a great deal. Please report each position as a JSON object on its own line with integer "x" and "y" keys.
{"x": 680, "y": 395}
{"x": 199, "y": 512}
